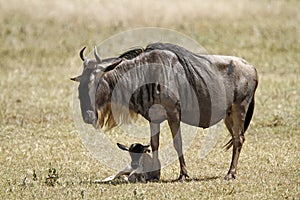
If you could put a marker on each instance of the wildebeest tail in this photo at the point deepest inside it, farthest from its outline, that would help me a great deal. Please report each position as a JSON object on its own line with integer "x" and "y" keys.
{"x": 248, "y": 118}
{"x": 249, "y": 115}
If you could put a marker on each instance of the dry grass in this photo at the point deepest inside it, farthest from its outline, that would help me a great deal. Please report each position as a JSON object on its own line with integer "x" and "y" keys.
{"x": 39, "y": 52}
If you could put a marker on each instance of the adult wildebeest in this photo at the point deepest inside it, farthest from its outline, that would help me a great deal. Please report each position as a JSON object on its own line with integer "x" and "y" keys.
{"x": 167, "y": 82}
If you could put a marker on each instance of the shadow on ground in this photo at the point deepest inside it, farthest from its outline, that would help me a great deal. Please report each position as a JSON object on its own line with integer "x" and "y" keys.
{"x": 120, "y": 181}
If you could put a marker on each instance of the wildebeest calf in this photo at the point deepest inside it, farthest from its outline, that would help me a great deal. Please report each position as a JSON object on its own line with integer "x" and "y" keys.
{"x": 139, "y": 170}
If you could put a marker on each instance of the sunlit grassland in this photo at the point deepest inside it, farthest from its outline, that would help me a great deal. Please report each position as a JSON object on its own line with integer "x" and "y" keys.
{"x": 39, "y": 53}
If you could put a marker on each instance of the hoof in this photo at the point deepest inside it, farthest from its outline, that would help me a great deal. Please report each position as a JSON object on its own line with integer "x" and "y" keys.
{"x": 230, "y": 176}
{"x": 98, "y": 181}
{"x": 183, "y": 177}
{"x": 154, "y": 175}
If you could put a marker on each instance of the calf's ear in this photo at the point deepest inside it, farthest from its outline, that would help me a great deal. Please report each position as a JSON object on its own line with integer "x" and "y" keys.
{"x": 146, "y": 150}
{"x": 77, "y": 79}
{"x": 123, "y": 147}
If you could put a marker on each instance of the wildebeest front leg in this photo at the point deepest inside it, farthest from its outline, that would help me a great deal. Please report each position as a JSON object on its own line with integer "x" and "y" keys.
{"x": 155, "y": 131}
{"x": 174, "y": 123}
{"x": 235, "y": 124}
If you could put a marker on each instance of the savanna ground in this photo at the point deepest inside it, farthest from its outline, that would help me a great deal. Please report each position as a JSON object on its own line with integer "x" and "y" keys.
{"x": 42, "y": 156}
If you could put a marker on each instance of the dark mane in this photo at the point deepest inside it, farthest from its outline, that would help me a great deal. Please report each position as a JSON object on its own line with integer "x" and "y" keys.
{"x": 128, "y": 55}
{"x": 183, "y": 54}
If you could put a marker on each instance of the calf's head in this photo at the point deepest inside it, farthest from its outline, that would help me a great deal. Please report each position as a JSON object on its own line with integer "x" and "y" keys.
{"x": 136, "y": 152}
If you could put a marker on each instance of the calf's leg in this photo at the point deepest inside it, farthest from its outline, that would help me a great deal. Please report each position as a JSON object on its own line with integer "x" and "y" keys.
{"x": 126, "y": 171}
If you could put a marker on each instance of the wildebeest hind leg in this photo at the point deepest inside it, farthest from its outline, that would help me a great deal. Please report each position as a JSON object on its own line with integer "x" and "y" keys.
{"x": 174, "y": 123}
{"x": 235, "y": 123}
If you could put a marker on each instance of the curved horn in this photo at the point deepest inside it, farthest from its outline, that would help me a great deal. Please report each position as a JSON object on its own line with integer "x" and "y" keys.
{"x": 97, "y": 55}
{"x": 81, "y": 54}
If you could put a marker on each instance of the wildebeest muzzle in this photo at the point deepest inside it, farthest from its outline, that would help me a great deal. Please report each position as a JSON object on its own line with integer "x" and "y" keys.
{"x": 90, "y": 117}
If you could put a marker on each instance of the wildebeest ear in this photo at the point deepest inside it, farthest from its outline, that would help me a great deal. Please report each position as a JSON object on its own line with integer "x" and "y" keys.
{"x": 113, "y": 65}
{"x": 123, "y": 147}
{"x": 77, "y": 79}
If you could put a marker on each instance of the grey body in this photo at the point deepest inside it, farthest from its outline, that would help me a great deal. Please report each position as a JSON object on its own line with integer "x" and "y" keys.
{"x": 199, "y": 90}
